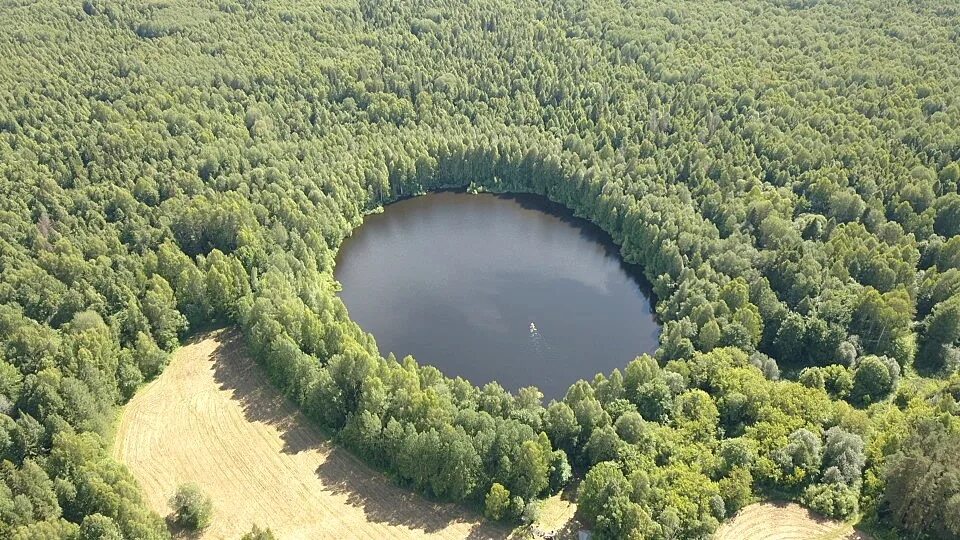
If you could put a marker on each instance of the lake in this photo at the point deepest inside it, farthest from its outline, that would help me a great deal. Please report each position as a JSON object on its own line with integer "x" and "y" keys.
{"x": 506, "y": 288}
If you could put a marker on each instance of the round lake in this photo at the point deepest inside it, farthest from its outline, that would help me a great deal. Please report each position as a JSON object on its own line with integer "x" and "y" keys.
{"x": 512, "y": 289}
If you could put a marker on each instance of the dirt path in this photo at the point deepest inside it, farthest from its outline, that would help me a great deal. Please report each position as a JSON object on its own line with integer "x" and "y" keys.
{"x": 212, "y": 418}
{"x": 783, "y": 521}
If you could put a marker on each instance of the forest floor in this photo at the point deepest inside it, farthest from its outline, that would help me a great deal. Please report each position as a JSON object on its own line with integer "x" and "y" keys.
{"x": 784, "y": 521}
{"x": 213, "y": 418}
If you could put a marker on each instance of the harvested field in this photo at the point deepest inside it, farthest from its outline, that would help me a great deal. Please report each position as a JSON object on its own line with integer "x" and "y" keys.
{"x": 784, "y": 521}
{"x": 214, "y": 419}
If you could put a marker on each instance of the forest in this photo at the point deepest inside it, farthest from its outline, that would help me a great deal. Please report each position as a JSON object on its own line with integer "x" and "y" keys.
{"x": 786, "y": 173}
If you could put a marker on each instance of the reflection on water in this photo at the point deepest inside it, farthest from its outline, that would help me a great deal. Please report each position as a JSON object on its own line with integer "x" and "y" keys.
{"x": 539, "y": 345}
{"x": 495, "y": 288}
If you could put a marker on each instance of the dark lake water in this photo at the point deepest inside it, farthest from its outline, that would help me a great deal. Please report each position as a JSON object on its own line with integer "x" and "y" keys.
{"x": 456, "y": 280}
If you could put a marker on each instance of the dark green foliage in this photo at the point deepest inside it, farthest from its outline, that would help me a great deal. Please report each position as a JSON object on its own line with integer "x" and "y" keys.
{"x": 256, "y": 533}
{"x": 736, "y": 490}
{"x": 874, "y": 378}
{"x": 923, "y": 482}
{"x": 938, "y": 345}
{"x": 197, "y": 164}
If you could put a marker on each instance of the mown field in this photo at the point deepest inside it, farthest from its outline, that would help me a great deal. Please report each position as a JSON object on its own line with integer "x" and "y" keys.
{"x": 213, "y": 418}
{"x": 784, "y": 521}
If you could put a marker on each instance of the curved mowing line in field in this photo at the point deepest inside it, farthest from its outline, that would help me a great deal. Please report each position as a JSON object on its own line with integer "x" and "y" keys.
{"x": 783, "y": 521}
{"x": 212, "y": 418}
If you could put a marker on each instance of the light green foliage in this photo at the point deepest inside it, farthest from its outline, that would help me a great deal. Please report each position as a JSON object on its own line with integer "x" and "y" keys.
{"x": 192, "y": 509}
{"x": 200, "y": 162}
{"x": 831, "y": 499}
{"x": 497, "y": 502}
{"x": 800, "y": 458}
{"x": 99, "y": 527}
{"x": 605, "y": 481}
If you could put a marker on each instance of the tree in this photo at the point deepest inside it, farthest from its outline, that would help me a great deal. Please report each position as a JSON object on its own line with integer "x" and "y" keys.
{"x": 149, "y": 357}
{"x": 880, "y": 319}
{"x": 942, "y": 330}
{"x": 737, "y": 453}
{"x": 497, "y": 502}
{"x": 99, "y": 527}
{"x": 695, "y": 413}
{"x": 604, "y": 445}
{"x": 646, "y": 386}
{"x": 843, "y": 451}
{"x": 831, "y": 499}
{"x": 590, "y": 415}
{"x": 709, "y": 335}
{"x": 602, "y": 483}
{"x": 560, "y": 471}
{"x": 801, "y": 457}
{"x": 256, "y": 533}
{"x": 631, "y": 427}
{"x": 531, "y": 468}
{"x": 129, "y": 377}
{"x": 790, "y": 339}
{"x": 838, "y": 381}
{"x": 226, "y": 282}
{"x": 874, "y": 378}
{"x": 623, "y": 518}
{"x": 561, "y": 425}
{"x": 923, "y": 481}
{"x": 160, "y": 308}
{"x": 947, "y": 222}
{"x": 31, "y": 488}
{"x": 736, "y": 489}
{"x": 192, "y": 509}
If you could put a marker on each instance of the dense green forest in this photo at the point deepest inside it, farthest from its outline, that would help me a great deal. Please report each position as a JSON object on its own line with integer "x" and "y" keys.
{"x": 785, "y": 172}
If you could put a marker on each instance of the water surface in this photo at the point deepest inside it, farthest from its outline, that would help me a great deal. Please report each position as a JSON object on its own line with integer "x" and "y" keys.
{"x": 456, "y": 280}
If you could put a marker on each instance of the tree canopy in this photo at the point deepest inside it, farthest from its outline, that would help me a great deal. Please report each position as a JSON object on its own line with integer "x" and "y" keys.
{"x": 785, "y": 172}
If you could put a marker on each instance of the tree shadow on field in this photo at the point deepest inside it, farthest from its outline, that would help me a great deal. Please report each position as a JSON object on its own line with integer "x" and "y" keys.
{"x": 384, "y": 502}
{"x": 341, "y": 472}
{"x": 260, "y": 401}
{"x": 179, "y": 532}
{"x": 570, "y": 531}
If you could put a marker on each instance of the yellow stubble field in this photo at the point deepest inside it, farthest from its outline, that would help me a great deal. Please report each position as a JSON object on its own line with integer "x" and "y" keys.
{"x": 213, "y": 418}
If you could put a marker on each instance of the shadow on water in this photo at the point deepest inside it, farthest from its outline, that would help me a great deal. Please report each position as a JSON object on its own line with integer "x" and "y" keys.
{"x": 341, "y": 472}
{"x": 589, "y": 231}
{"x": 586, "y": 228}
